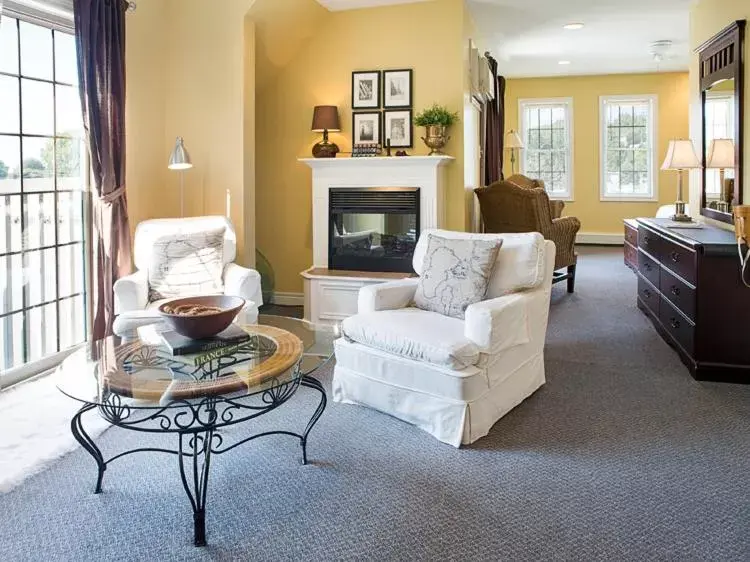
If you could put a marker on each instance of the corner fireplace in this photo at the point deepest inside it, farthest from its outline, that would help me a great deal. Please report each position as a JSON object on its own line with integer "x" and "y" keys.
{"x": 373, "y": 228}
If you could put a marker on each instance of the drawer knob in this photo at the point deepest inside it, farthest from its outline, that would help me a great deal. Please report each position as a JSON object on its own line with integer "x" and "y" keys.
{"x": 675, "y": 257}
{"x": 674, "y": 323}
{"x": 647, "y": 293}
{"x": 675, "y": 290}
{"x": 647, "y": 266}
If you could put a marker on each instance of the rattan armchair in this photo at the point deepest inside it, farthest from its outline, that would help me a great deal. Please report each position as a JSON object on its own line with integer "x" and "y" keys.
{"x": 523, "y": 181}
{"x": 506, "y": 207}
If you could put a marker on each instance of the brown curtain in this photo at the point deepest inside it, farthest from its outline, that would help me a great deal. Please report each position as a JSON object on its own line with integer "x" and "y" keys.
{"x": 100, "y": 40}
{"x": 494, "y": 127}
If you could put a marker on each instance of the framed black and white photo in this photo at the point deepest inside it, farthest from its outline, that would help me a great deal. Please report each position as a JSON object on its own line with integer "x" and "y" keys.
{"x": 366, "y": 89}
{"x": 398, "y": 128}
{"x": 397, "y": 85}
{"x": 366, "y": 127}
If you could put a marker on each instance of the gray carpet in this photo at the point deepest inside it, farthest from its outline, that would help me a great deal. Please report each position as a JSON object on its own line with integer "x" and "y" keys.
{"x": 620, "y": 456}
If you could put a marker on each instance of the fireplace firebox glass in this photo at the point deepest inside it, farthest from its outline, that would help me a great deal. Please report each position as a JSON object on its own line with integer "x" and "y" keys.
{"x": 373, "y": 229}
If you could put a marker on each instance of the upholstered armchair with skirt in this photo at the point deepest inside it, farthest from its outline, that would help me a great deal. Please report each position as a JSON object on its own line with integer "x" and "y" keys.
{"x": 453, "y": 377}
{"x": 183, "y": 257}
{"x": 507, "y": 207}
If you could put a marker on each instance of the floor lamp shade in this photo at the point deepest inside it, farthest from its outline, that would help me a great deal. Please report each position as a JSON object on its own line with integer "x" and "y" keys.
{"x": 180, "y": 157}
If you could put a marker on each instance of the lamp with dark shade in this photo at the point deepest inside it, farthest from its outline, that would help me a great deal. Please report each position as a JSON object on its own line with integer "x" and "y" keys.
{"x": 325, "y": 118}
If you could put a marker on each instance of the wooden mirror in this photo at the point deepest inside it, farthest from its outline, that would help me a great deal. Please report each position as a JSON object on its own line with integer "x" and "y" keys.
{"x": 722, "y": 91}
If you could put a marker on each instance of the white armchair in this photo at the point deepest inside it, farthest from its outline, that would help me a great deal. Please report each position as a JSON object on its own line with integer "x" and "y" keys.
{"x": 132, "y": 291}
{"x": 453, "y": 378}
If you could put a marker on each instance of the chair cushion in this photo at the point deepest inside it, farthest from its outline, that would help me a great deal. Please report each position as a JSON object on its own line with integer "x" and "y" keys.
{"x": 520, "y": 261}
{"x": 186, "y": 264}
{"x": 455, "y": 274}
{"x": 415, "y": 334}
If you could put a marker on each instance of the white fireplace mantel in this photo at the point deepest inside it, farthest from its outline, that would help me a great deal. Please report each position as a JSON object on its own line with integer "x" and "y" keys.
{"x": 424, "y": 172}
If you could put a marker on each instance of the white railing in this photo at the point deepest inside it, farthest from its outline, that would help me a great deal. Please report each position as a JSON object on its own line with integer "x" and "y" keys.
{"x": 42, "y": 270}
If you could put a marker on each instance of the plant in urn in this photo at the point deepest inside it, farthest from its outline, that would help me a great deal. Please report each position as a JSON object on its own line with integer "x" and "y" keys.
{"x": 436, "y": 120}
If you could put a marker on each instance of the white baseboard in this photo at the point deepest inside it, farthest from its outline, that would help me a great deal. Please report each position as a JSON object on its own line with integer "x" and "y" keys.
{"x": 288, "y": 299}
{"x": 600, "y": 238}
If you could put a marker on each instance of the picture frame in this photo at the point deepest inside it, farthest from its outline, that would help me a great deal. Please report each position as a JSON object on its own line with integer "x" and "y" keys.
{"x": 397, "y": 88}
{"x": 366, "y": 127}
{"x": 366, "y": 89}
{"x": 398, "y": 126}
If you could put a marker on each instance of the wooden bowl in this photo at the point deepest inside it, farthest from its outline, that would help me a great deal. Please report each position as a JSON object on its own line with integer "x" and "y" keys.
{"x": 205, "y": 325}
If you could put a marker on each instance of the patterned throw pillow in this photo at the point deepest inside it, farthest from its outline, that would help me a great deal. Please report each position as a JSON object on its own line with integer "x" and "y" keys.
{"x": 456, "y": 273}
{"x": 187, "y": 264}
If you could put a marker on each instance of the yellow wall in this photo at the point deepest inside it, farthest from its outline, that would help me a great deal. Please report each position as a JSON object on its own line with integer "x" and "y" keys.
{"x": 320, "y": 73}
{"x": 606, "y": 216}
{"x": 707, "y": 18}
{"x": 187, "y": 62}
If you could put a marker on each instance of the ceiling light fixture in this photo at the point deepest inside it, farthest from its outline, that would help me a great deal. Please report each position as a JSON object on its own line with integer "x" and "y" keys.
{"x": 573, "y": 25}
{"x": 564, "y": 62}
{"x": 660, "y": 49}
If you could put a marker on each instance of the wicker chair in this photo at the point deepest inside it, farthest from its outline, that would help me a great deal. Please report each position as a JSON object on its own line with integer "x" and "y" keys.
{"x": 506, "y": 207}
{"x": 523, "y": 181}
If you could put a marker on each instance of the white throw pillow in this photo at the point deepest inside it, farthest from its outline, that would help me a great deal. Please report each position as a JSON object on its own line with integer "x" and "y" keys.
{"x": 455, "y": 274}
{"x": 186, "y": 264}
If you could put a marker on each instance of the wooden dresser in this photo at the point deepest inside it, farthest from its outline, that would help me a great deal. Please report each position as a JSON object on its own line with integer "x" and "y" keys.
{"x": 689, "y": 285}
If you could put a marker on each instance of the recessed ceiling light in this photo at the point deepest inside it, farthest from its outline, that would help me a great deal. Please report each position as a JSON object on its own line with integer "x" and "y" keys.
{"x": 564, "y": 62}
{"x": 573, "y": 25}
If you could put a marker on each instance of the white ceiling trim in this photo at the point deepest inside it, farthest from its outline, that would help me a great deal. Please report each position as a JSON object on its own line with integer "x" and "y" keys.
{"x": 341, "y": 5}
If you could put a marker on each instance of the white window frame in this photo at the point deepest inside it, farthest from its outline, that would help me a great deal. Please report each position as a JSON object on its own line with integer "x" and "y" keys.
{"x": 653, "y": 134}
{"x": 567, "y": 103}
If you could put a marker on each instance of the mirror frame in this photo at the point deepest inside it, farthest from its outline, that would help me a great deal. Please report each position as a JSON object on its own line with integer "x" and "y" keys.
{"x": 721, "y": 58}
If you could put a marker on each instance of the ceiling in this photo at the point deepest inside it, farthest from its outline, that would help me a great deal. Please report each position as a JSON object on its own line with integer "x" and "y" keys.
{"x": 528, "y": 39}
{"x": 338, "y": 5}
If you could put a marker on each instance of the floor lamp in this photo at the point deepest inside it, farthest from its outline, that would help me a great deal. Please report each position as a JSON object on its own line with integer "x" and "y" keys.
{"x": 513, "y": 143}
{"x": 180, "y": 160}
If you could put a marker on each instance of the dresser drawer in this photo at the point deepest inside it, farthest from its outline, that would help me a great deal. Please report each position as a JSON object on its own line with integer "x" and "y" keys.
{"x": 679, "y": 259}
{"x": 649, "y": 268}
{"x": 631, "y": 235}
{"x": 631, "y": 256}
{"x": 680, "y": 328}
{"x": 650, "y": 242}
{"x": 648, "y": 295}
{"x": 678, "y": 292}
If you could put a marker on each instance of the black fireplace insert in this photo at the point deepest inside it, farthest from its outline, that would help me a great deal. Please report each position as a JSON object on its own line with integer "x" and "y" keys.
{"x": 373, "y": 228}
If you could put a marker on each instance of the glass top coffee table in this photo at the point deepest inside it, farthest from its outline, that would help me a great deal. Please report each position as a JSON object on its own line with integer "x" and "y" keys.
{"x": 135, "y": 385}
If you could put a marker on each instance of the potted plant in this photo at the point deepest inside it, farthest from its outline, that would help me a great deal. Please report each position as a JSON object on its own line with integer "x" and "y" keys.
{"x": 436, "y": 120}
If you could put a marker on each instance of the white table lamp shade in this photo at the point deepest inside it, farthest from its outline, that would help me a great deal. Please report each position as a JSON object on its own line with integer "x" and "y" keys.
{"x": 513, "y": 140}
{"x": 720, "y": 154}
{"x": 681, "y": 156}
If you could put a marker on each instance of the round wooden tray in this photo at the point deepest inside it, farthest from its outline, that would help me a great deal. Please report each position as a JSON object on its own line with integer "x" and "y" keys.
{"x": 115, "y": 376}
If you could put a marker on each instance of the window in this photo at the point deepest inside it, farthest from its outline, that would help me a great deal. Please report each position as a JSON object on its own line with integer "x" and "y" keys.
{"x": 628, "y": 156}
{"x": 42, "y": 248}
{"x": 719, "y": 125}
{"x": 546, "y": 130}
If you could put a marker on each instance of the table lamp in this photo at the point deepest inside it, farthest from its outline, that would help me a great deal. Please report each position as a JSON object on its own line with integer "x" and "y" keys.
{"x": 681, "y": 156}
{"x": 514, "y": 143}
{"x": 180, "y": 160}
{"x": 325, "y": 118}
{"x": 721, "y": 156}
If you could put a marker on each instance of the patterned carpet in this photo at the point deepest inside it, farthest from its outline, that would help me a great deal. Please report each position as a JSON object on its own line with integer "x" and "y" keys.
{"x": 620, "y": 456}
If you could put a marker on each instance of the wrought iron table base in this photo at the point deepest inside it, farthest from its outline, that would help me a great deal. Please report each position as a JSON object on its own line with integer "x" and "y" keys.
{"x": 196, "y": 444}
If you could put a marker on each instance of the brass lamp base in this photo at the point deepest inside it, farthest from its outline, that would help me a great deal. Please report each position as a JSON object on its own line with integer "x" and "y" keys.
{"x": 679, "y": 214}
{"x": 325, "y": 150}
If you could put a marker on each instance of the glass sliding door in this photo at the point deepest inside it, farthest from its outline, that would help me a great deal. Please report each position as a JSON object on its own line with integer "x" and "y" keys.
{"x": 42, "y": 196}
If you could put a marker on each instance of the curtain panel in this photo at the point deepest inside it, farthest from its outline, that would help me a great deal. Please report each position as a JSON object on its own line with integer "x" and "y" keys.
{"x": 100, "y": 42}
{"x": 494, "y": 126}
